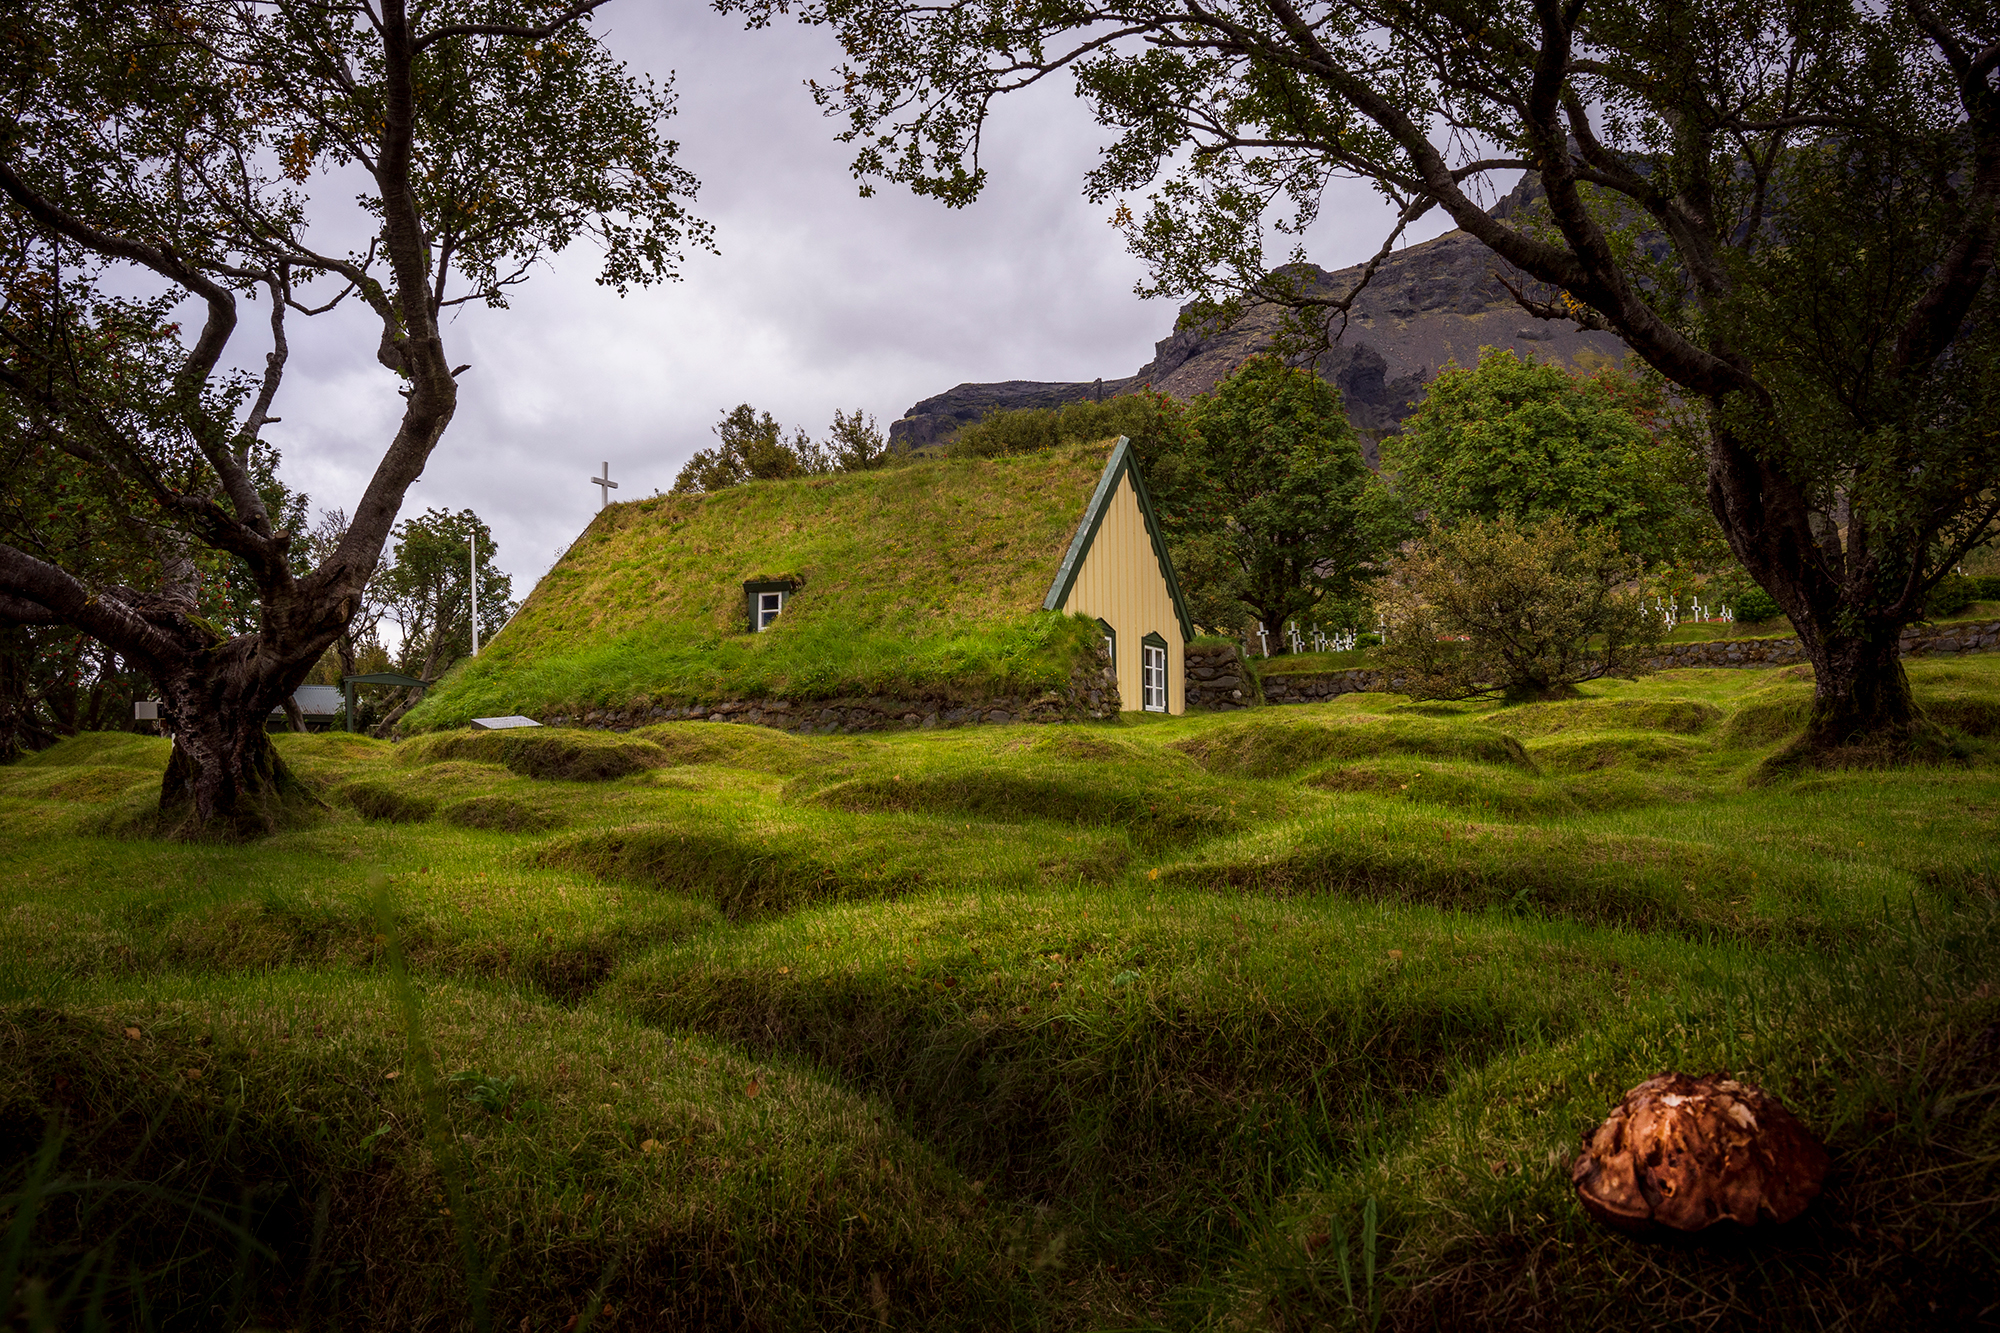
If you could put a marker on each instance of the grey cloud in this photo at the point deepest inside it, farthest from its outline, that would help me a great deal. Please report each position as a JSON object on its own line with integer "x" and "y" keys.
{"x": 818, "y": 300}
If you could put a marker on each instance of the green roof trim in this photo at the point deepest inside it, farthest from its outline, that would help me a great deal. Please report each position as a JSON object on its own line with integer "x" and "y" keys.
{"x": 1123, "y": 459}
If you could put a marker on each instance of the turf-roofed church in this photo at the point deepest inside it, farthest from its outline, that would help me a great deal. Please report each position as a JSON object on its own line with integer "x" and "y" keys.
{"x": 1117, "y": 571}
{"x": 934, "y": 591}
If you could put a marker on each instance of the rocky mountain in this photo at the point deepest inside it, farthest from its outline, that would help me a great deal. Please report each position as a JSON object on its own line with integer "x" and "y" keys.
{"x": 1427, "y": 305}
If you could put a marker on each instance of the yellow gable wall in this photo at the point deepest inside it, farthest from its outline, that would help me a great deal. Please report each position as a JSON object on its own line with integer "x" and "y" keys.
{"x": 1120, "y": 583}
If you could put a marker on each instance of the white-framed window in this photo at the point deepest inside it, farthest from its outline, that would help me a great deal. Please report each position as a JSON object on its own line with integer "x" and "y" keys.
{"x": 1110, "y": 642}
{"x": 1153, "y": 677}
{"x": 769, "y": 604}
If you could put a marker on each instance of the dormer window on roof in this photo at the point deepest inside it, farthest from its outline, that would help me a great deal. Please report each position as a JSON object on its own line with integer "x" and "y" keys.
{"x": 765, "y": 600}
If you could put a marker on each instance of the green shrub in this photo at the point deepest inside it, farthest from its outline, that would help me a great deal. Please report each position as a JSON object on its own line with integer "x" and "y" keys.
{"x": 1025, "y": 430}
{"x": 1955, "y": 592}
{"x": 1754, "y": 606}
{"x": 1521, "y": 612}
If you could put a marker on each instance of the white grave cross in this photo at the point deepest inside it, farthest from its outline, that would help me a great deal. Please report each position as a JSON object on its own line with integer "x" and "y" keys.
{"x": 604, "y": 486}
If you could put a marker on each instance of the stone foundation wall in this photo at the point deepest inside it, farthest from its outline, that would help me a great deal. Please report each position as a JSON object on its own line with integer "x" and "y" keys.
{"x": 1728, "y": 653}
{"x": 1311, "y": 687}
{"x": 1951, "y": 640}
{"x": 1218, "y": 680}
{"x": 1918, "y": 641}
{"x": 1092, "y": 696}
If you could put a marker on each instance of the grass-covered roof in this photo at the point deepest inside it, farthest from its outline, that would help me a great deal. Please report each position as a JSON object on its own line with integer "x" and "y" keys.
{"x": 923, "y": 579}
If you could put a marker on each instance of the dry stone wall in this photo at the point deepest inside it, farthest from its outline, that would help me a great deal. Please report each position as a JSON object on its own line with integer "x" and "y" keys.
{"x": 1311, "y": 687}
{"x": 1217, "y": 678}
{"x": 1092, "y": 695}
{"x": 1951, "y": 640}
{"x": 1918, "y": 641}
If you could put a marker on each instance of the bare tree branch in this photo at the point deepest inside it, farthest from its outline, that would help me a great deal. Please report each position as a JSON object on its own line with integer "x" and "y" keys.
{"x": 543, "y": 33}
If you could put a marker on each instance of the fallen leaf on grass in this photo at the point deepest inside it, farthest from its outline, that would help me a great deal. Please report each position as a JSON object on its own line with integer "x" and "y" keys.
{"x": 650, "y": 1146}
{"x": 752, "y": 1089}
{"x": 132, "y": 1033}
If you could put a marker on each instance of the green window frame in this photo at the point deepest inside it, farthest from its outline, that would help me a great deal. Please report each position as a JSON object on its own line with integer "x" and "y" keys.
{"x": 764, "y": 601}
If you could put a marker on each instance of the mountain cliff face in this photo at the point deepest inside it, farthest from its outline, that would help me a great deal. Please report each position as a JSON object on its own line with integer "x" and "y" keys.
{"x": 1430, "y": 304}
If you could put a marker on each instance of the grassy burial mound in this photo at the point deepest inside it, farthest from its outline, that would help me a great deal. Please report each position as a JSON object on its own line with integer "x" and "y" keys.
{"x": 1280, "y": 1020}
{"x": 919, "y": 582}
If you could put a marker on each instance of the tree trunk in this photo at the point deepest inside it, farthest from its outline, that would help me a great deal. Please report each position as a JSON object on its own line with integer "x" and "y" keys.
{"x": 21, "y": 730}
{"x": 381, "y": 729}
{"x": 225, "y": 779}
{"x": 1861, "y": 694}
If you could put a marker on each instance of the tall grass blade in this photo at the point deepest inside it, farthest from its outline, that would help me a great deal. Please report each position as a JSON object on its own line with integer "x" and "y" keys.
{"x": 26, "y": 1204}
{"x": 431, "y": 1091}
{"x": 1368, "y": 1218}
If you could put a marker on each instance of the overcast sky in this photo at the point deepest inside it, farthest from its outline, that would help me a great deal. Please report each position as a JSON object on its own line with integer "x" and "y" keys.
{"x": 818, "y": 300}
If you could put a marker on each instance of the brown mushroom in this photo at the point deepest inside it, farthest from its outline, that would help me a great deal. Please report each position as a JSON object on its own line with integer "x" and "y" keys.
{"x": 1686, "y": 1153}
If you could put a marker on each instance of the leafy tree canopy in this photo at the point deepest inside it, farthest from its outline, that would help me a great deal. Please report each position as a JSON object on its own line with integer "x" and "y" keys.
{"x": 1529, "y": 440}
{"x": 1789, "y": 211}
{"x": 428, "y": 590}
{"x": 1298, "y": 517}
{"x": 753, "y": 447}
{"x": 154, "y": 156}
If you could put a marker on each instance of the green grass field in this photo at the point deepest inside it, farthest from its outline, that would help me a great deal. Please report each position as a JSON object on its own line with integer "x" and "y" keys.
{"x": 1279, "y": 1020}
